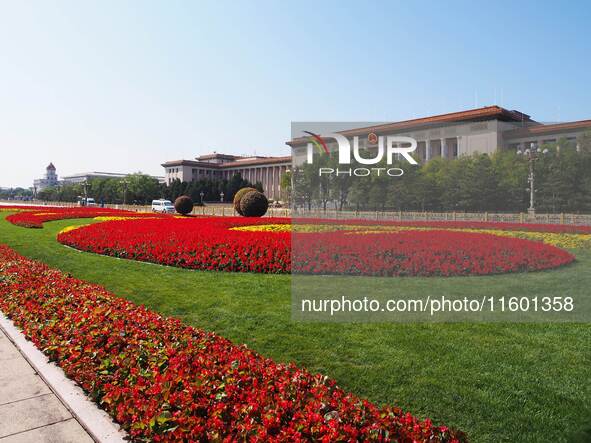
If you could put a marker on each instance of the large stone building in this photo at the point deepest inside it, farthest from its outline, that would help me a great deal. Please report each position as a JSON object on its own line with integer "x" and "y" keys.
{"x": 87, "y": 176}
{"x": 47, "y": 181}
{"x": 266, "y": 170}
{"x": 482, "y": 130}
{"x": 50, "y": 178}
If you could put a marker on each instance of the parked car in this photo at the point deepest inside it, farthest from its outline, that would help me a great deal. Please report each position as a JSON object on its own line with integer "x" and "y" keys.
{"x": 86, "y": 202}
{"x": 163, "y": 206}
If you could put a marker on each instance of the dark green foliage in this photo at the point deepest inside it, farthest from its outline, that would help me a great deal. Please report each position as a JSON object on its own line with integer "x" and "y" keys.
{"x": 136, "y": 189}
{"x": 183, "y": 204}
{"x": 211, "y": 188}
{"x": 238, "y": 196}
{"x": 254, "y": 204}
{"x": 476, "y": 183}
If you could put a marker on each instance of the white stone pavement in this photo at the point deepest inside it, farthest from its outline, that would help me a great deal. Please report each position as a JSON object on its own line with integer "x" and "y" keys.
{"x": 29, "y": 410}
{"x": 39, "y": 404}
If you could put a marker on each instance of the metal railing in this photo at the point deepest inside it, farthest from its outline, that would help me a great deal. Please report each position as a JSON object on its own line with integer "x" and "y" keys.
{"x": 225, "y": 210}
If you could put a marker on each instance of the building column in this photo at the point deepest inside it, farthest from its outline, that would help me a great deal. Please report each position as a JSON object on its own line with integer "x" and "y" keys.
{"x": 443, "y": 148}
{"x": 277, "y": 182}
{"x": 458, "y": 145}
{"x": 266, "y": 180}
{"x": 578, "y": 146}
{"x": 427, "y": 150}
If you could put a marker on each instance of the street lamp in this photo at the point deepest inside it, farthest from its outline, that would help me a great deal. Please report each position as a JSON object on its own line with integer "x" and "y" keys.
{"x": 85, "y": 185}
{"x": 532, "y": 154}
{"x": 124, "y": 183}
{"x": 292, "y": 190}
{"x": 201, "y": 194}
{"x": 221, "y": 197}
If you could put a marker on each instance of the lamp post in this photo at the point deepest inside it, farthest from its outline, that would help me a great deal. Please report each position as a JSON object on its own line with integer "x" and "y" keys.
{"x": 292, "y": 190}
{"x": 532, "y": 154}
{"x": 85, "y": 185}
{"x": 124, "y": 183}
{"x": 221, "y": 197}
{"x": 201, "y": 194}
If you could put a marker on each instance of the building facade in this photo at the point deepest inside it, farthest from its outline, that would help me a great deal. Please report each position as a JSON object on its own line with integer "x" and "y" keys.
{"x": 50, "y": 178}
{"x": 47, "y": 181}
{"x": 482, "y": 130}
{"x": 87, "y": 176}
{"x": 266, "y": 170}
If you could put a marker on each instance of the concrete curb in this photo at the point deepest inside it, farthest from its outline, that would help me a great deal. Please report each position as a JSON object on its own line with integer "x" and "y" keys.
{"x": 94, "y": 420}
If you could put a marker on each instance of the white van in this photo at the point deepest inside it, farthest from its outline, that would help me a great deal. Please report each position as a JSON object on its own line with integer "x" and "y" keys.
{"x": 163, "y": 206}
{"x": 86, "y": 201}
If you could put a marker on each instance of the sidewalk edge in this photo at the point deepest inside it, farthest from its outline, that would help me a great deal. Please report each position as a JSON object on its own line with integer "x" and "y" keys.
{"x": 95, "y": 421}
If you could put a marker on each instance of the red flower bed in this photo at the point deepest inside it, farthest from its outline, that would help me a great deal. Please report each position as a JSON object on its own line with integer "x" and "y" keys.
{"x": 197, "y": 243}
{"x": 501, "y": 226}
{"x": 209, "y": 244}
{"x": 421, "y": 253}
{"x": 34, "y": 217}
{"x": 164, "y": 381}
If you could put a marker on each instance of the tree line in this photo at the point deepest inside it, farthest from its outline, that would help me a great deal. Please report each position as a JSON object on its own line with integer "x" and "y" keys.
{"x": 142, "y": 189}
{"x": 476, "y": 183}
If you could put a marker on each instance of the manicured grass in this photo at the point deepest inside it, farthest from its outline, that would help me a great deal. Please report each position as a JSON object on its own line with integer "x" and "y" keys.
{"x": 498, "y": 382}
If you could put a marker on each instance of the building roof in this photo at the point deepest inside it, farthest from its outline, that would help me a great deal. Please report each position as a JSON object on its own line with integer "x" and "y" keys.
{"x": 50, "y": 166}
{"x": 96, "y": 174}
{"x": 486, "y": 113}
{"x": 101, "y": 175}
{"x": 189, "y": 163}
{"x": 256, "y": 161}
{"x": 241, "y": 162}
{"x": 555, "y": 128}
{"x": 215, "y": 155}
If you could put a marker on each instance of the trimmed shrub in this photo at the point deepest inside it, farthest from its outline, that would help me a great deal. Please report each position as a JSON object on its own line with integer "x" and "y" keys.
{"x": 183, "y": 204}
{"x": 238, "y": 196}
{"x": 254, "y": 204}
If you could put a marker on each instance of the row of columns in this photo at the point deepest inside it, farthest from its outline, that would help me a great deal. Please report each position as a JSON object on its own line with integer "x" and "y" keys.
{"x": 443, "y": 148}
{"x": 269, "y": 176}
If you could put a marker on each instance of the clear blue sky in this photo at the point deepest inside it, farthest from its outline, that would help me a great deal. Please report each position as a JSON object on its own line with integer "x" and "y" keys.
{"x": 122, "y": 86}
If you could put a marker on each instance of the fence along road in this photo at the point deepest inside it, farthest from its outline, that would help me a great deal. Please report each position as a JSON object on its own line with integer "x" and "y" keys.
{"x": 225, "y": 210}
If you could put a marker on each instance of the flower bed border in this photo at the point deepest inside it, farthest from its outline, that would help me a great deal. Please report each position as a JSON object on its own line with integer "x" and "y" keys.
{"x": 164, "y": 381}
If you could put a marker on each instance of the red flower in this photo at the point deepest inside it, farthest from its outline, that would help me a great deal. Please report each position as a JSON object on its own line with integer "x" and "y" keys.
{"x": 164, "y": 381}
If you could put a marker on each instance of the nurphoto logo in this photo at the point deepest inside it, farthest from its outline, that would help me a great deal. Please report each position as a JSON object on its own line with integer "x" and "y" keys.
{"x": 393, "y": 147}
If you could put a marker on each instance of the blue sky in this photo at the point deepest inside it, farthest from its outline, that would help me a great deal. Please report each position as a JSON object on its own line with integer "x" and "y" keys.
{"x": 123, "y": 86}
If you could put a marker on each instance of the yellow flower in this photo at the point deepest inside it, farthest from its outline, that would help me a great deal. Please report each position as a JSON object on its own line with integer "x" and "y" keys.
{"x": 562, "y": 240}
{"x": 69, "y": 228}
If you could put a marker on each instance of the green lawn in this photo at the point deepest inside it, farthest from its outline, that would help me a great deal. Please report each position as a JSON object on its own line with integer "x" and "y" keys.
{"x": 497, "y": 382}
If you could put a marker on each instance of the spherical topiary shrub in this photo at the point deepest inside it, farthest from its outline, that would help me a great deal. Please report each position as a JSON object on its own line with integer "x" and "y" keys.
{"x": 183, "y": 204}
{"x": 239, "y": 196}
{"x": 254, "y": 204}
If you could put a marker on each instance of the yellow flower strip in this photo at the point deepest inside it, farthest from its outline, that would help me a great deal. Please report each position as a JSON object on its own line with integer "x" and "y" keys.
{"x": 69, "y": 228}
{"x": 562, "y": 240}
{"x": 112, "y": 217}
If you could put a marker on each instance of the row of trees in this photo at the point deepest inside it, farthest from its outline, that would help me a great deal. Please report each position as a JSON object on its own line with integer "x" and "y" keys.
{"x": 135, "y": 188}
{"x": 212, "y": 189}
{"x": 15, "y": 194}
{"x": 142, "y": 189}
{"x": 478, "y": 183}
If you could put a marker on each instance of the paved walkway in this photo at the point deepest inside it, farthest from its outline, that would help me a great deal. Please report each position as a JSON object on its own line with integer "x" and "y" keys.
{"x": 29, "y": 410}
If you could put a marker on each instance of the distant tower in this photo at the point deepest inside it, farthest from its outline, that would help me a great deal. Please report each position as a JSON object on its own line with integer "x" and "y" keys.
{"x": 50, "y": 175}
{"x": 48, "y": 180}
